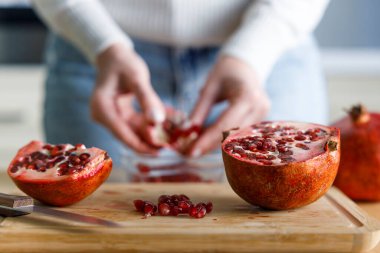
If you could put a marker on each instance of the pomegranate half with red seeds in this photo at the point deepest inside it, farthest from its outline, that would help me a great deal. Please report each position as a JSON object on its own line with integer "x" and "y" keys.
{"x": 281, "y": 165}
{"x": 175, "y": 132}
{"x": 59, "y": 175}
{"x": 359, "y": 169}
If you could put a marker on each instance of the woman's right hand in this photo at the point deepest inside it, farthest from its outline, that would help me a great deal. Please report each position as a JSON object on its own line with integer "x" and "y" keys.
{"x": 122, "y": 75}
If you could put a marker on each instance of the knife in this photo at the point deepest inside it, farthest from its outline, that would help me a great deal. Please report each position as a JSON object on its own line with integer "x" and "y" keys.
{"x": 13, "y": 205}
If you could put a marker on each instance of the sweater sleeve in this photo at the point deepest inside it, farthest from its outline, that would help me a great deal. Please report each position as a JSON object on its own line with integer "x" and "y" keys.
{"x": 269, "y": 28}
{"x": 85, "y": 23}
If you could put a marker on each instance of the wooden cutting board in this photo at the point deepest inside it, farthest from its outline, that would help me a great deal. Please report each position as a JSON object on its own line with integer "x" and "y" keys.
{"x": 332, "y": 224}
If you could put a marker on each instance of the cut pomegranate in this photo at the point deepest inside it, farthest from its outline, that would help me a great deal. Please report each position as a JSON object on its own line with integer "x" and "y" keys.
{"x": 175, "y": 132}
{"x": 281, "y": 165}
{"x": 59, "y": 175}
{"x": 173, "y": 205}
{"x": 359, "y": 169}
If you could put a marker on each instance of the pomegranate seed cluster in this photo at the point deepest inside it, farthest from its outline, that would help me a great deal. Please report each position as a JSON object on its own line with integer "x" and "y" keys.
{"x": 270, "y": 144}
{"x": 173, "y": 205}
{"x": 65, "y": 158}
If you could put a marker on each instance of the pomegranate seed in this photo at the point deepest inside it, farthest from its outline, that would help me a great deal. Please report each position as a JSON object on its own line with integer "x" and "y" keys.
{"x": 148, "y": 209}
{"x": 31, "y": 167}
{"x": 174, "y": 211}
{"x": 302, "y": 146}
{"x": 62, "y": 172}
{"x": 300, "y": 138}
{"x": 265, "y": 162}
{"x": 184, "y": 197}
{"x": 42, "y": 169}
{"x": 59, "y": 159}
{"x": 260, "y": 156}
{"x": 47, "y": 147}
{"x": 139, "y": 205}
{"x": 209, "y": 207}
{"x": 164, "y": 209}
{"x": 201, "y": 212}
{"x": 282, "y": 149}
{"x": 184, "y": 205}
{"x": 74, "y": 159}
{"x": 14, "y": 169}
{"x": 84, "y": 156}
{"x": 164, "y": 199}
{"x": 289, "y": 139}
{"x": 281, "y": 141}
{"x": 288, "y": 152}
{"x": 315, "y": 138}
{"x": 80, "y": 146}
{"x": 64, "y": 165}
{"x": 252, "y": 147}
{"x": 193, "y": 211}
{"x": 35, "y": 155}
{"x": 55, "y": 151}
{"x": 288, "y": 159}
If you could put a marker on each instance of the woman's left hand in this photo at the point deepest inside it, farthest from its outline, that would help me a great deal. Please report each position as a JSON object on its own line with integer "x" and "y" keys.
{"x": 236, "y": 82}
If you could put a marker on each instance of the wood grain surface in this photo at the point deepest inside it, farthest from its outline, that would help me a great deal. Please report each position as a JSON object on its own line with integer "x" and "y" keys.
{"x": 332, "y": 224}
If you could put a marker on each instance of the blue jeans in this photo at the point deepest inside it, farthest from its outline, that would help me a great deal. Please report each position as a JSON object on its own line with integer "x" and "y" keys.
{"x": 296, "y": 88}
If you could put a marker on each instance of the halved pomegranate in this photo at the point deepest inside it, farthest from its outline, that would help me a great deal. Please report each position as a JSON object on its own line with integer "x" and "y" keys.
{"x": 175, "y": 132}
{"x": 281, "y": 165}
{"x": 59, "y": 175}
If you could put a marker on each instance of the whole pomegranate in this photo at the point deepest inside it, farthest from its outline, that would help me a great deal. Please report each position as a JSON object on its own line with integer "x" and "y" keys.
{"x": 175, "y": 132}
{"x": 359, "y": 170}
{"x": 281, "y": 165}
{"x": 59, "y": 175}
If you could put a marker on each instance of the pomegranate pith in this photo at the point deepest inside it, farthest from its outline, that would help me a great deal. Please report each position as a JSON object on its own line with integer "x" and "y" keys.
{"x": 359, "y": 170}
{"x": 281, "y": 165}
{"x": 59, "y": 175}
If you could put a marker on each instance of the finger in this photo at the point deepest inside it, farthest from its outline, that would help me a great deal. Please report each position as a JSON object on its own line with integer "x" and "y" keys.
{"x": 151, "y": 105}
{"x": 105, "y": 112}
{"x": 203, "y": 106}
{"x": 231, "y": 117}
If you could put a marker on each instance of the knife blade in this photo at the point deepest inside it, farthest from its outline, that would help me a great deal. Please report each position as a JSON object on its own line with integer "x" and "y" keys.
{"x": 13, "y": 205}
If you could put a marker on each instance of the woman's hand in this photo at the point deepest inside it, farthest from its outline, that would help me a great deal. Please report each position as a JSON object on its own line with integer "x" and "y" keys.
{"x": 233, "y": 80}
{"x": 123, "y": 76}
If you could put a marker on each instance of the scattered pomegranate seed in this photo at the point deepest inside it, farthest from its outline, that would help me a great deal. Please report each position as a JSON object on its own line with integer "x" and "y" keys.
{"x": 164, "y": 209}
{"x": 175, "y": 211}
{"x": 139, "y": 205}
{"x": 209, "y": 207}
{"x": 148, "y": 209}
{"x": 173, "y": 205}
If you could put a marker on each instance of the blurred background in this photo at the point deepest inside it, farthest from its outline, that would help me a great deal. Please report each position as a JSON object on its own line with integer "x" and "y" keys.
{"x": 348, "y": 35}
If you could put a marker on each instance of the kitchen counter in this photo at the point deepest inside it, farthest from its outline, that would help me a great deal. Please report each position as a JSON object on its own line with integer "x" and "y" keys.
{"x": 22, "y": 226}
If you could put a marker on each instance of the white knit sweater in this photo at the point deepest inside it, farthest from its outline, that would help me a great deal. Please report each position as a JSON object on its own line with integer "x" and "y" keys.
{"x": 257, "y": 32}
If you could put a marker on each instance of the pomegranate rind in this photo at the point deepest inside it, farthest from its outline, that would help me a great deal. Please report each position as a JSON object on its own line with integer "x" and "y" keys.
{"x": 359, "y": 170}
{"x": 68, "y": 189}
{"x": 283, "y": 186}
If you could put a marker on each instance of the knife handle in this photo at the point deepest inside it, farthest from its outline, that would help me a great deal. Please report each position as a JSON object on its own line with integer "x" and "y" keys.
{"x": 14, "y": 201}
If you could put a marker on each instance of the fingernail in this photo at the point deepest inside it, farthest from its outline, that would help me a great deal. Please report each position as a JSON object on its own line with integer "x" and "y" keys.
{"x": 196, "y": 153}
{"x": 157, "y": 115}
